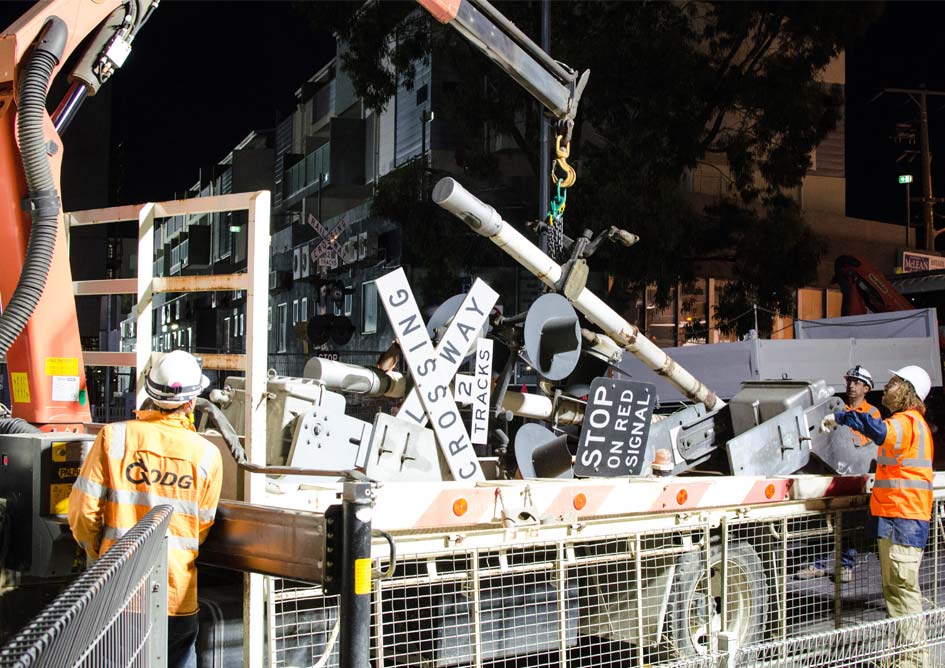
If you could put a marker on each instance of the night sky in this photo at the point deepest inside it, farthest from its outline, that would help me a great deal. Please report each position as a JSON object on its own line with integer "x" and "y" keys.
{"x": 203, "y": 74}
{"x": 200, "y": 77}
{"x": 903, "y": 49}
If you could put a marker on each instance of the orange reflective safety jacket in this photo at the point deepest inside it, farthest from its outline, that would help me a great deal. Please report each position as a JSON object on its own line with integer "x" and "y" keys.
{"x": 903, "y": 486}
{"x": 134, "y": 466}
{"x": 859, "y": 439}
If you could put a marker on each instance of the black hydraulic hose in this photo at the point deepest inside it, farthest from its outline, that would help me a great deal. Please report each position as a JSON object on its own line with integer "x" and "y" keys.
{"x": 17, "y": 426}
{"x": 43, "y": 197}
{"x": 229, "y": 435}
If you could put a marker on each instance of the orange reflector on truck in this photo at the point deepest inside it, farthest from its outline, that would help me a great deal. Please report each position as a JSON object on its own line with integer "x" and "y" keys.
{"x": 580, "y": 501}
{"x": 460, "y": 506}
{"x": 682, "y": 496}
{"x": 769, "y": 491}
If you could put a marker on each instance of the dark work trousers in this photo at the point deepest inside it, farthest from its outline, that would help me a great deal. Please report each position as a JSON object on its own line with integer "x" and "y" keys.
{"x": 181, "y": 642}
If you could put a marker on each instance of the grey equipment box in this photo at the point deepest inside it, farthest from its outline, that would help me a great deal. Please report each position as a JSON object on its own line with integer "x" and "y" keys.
{"x": 36, "y": 476}
{"x": 761, "y": 400}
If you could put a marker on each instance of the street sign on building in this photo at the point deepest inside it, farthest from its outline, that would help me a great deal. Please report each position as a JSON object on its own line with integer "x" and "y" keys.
{"x": 921, "y": 262}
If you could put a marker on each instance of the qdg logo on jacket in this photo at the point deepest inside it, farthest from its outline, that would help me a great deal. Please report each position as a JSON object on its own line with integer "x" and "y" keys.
{"x": 139, "y": 474}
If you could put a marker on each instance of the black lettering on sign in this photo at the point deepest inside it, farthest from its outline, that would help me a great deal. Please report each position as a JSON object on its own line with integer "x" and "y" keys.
{"x": 615, "y": 429}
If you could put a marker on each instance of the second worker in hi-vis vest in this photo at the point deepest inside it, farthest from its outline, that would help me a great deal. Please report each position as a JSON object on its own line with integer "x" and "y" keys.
{"x": 902, "y": 494}
{"x": 154, "y": 460}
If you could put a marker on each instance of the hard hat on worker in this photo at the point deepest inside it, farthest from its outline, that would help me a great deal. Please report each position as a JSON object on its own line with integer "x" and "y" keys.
{"x": 917, "y": 377}
{"x": 861, "y": 374}
{"x": 174, "y": 379}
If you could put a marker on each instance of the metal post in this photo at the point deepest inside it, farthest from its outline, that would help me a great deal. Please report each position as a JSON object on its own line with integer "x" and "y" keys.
{"x": 908, "y": 211}
{"x": 355, "y": 600}
{"x": 837, "y": 568}
{"x": 928, "y": 224}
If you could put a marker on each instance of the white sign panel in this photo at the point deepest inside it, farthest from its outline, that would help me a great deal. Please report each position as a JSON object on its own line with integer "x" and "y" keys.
{"x": 329, "y": 259}
{"x": 458, "y": 338}
{"x": 432, "y": 383}
{"x": 479, "y": 432}
{"x": 65, "y": 388}
{"x": 921, "y": 262}
{"x": 463, "y": 389}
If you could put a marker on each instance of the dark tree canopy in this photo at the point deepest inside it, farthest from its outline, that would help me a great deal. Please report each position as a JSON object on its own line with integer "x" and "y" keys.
{"x": 672, "y": 86}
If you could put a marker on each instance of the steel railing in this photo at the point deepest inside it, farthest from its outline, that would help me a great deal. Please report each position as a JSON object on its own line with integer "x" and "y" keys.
{"x": 114, "y": 614}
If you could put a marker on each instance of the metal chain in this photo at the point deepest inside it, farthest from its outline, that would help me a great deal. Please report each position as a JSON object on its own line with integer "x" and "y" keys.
{"x": 556, "y": 223}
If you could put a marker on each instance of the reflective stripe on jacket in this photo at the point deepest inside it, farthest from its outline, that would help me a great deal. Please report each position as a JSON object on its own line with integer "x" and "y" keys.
{"x": 859, "y": 439}
{"x": 903, "y": 486}
{"x": 134, "y": 466}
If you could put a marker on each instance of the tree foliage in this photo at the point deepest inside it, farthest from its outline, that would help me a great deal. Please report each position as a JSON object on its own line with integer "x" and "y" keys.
{"x": 673, "y": 85}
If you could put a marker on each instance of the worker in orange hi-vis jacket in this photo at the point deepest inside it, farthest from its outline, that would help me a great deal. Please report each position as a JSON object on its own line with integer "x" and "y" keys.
{"x": 902, "y": 497}
{"x": 859, "y": 382}
{"x": 153, "y": 460}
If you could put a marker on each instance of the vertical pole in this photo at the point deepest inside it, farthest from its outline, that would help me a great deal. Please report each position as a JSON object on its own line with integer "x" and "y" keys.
{"x": 837, "y": 568}
{"x": 908, "y": 211}
{"x": 936, "y": 537}
{"x": 423, "y": 153}
{"x": 476, "y": 609}
{"x": 544, "y": 151}
{"x": 145, "y": 298}
{"x": 157, "y": 611}
{"x": 927, "y": 221}
{"x": 355, "y": 604}
{"x": 254, "y": 419}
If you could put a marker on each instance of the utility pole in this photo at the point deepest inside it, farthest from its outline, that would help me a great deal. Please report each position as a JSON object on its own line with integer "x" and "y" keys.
{"x": 919, "y": 97}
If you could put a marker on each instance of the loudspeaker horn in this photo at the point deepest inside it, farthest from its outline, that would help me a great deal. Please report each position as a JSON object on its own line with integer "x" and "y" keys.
{"x": 443, "y": 315}
{"x": 552, "y": 336}
{"x": 541, "y": 454}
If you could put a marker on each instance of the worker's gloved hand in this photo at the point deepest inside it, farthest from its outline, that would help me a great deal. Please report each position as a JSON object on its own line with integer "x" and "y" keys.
{"x": 828, "y": 424}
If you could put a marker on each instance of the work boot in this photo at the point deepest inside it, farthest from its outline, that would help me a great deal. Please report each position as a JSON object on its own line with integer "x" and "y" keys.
{"x": 810, "y": 572}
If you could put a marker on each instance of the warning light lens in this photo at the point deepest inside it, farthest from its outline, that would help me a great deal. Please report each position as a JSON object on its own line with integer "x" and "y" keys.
{"x": 682, "y": 496}
{"x": 769, "y": 491}
{"x": 460, "y": 506}
{"x": 580, "y": 501}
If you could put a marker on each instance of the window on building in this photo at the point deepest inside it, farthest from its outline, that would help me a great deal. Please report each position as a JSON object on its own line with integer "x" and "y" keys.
{"x": 303, "y": 310}
{"x": 335, "y": 308}
{"x": 295, "y": 311}
{"x": 368, "y": 308}
{"x": 226, "y": 334}
{"x": 422, "y": 94}
{"x": 269, "y": 321}
{"x": 349, "y": 301}
{"x": 283, "y": 326}
{"x": 242, "y": 324}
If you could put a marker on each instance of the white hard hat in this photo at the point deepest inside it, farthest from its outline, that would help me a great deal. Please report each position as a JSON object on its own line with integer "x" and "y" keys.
{"x": 859, "y": 373}
{"x": 174, "y": 379}
{"x": 917, "y": 376}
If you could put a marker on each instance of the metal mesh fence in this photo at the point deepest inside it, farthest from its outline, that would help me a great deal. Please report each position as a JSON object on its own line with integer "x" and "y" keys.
{"x": 114, "y": 614}
{"x": 783, "y": 585}
{"x": 917, "y": 641}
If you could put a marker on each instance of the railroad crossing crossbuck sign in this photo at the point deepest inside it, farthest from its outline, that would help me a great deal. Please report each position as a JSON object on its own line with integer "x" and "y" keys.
{"x": 433, "y": 368}
{"x": 328, "y": 251}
